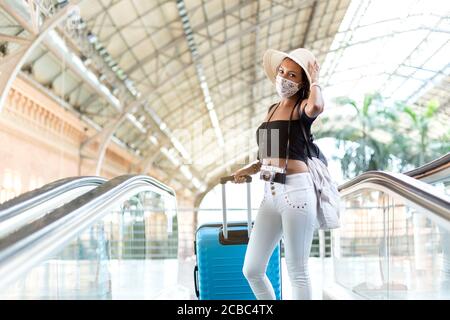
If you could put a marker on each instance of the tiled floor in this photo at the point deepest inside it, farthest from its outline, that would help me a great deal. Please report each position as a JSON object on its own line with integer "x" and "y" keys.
{"x": 172, "y": 279}
{"x": 155, "y": 279}
{"x": 125, "y": 280}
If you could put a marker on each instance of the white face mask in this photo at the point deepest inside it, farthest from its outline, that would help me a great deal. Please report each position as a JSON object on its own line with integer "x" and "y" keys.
{"x": 285, "y": 88}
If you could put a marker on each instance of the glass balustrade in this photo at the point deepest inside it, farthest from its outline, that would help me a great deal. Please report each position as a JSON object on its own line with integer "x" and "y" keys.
{"x": 388, "y": 248}
{"x": 443, "y": 185}
{"x": 130, "y": 253}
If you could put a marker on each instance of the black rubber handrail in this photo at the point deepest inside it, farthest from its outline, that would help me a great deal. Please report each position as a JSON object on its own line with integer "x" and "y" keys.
{"x": 33, "y": 198}
{"x": 430, "y": 168}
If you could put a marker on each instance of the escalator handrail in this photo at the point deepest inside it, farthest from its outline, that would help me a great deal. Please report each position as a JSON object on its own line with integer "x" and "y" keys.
{"x": 419, "y": 192}
{"x": 33, "y": 198}
{"x": 436, "y": 164}
{"x": 30, "y": 244}
{"x": 113, "y": 185}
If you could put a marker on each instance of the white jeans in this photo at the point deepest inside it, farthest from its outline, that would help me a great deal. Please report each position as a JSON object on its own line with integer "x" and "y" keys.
{"x": 288, "y": 211}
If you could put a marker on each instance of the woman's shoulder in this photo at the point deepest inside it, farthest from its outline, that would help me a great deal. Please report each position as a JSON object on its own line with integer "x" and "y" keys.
{"x": 270, "y": 109}
{"x": 302, "y": 105}
{"x": 273, "y": 105}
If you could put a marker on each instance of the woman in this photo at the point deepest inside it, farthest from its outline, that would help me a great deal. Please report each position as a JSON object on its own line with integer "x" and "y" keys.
{"x": 288, "y": 209}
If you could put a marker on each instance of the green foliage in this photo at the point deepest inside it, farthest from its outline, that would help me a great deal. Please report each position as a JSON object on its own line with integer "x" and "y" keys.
{"x": 426, "y": 149}
{"x": 372, "y": 136}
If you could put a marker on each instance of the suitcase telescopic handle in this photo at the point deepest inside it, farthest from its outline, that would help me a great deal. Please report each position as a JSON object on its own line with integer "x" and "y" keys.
{"x": 223, "y": 181}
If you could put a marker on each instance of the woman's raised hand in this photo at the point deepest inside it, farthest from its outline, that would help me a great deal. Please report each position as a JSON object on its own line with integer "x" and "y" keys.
{"x": 313, "y": 69}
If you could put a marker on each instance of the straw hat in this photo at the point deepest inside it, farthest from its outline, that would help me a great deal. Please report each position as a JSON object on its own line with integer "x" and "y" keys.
{"x": 273, "y": 58}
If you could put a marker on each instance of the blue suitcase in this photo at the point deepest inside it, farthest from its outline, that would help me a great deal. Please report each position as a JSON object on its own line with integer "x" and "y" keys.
{"x": 220, "y": 252}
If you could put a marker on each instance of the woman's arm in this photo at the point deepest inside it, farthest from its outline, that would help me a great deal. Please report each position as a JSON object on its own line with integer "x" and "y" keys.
{"x": 249, "y": 169}
{"x": 314, "y": 105}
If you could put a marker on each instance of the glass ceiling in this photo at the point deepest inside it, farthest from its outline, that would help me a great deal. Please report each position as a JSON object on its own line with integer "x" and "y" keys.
{"x": 399, "y": 48}
{"x": 197, "y": 65}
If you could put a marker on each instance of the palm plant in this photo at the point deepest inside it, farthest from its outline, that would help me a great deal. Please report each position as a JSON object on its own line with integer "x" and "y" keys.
{"x": 372, "y": 136}
{"x": 366, "y": 140}
{"x": 425, "y": 148}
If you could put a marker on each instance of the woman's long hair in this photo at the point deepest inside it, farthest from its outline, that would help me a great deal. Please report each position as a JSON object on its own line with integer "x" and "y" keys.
{"x": 304, "y": 89}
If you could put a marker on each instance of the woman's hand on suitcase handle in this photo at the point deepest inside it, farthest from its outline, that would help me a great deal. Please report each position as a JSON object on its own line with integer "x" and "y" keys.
{"x": 248, "y": 170}
{"x": 239, "y": 175}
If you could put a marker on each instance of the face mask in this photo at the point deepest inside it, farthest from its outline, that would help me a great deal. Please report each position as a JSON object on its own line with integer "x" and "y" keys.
{"x": 285, "y": 88}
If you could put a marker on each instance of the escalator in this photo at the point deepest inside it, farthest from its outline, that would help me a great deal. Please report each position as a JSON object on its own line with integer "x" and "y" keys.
{"x": 111, "y": 239}
{"x": 119, "y": 240}
{"x": 436, "y": 173}
{"x": 394, "y": 242}
{"x": 31, "y": 205}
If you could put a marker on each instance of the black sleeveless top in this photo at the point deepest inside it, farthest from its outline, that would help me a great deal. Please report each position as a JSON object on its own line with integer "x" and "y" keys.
{"x": 277, "y": 130}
